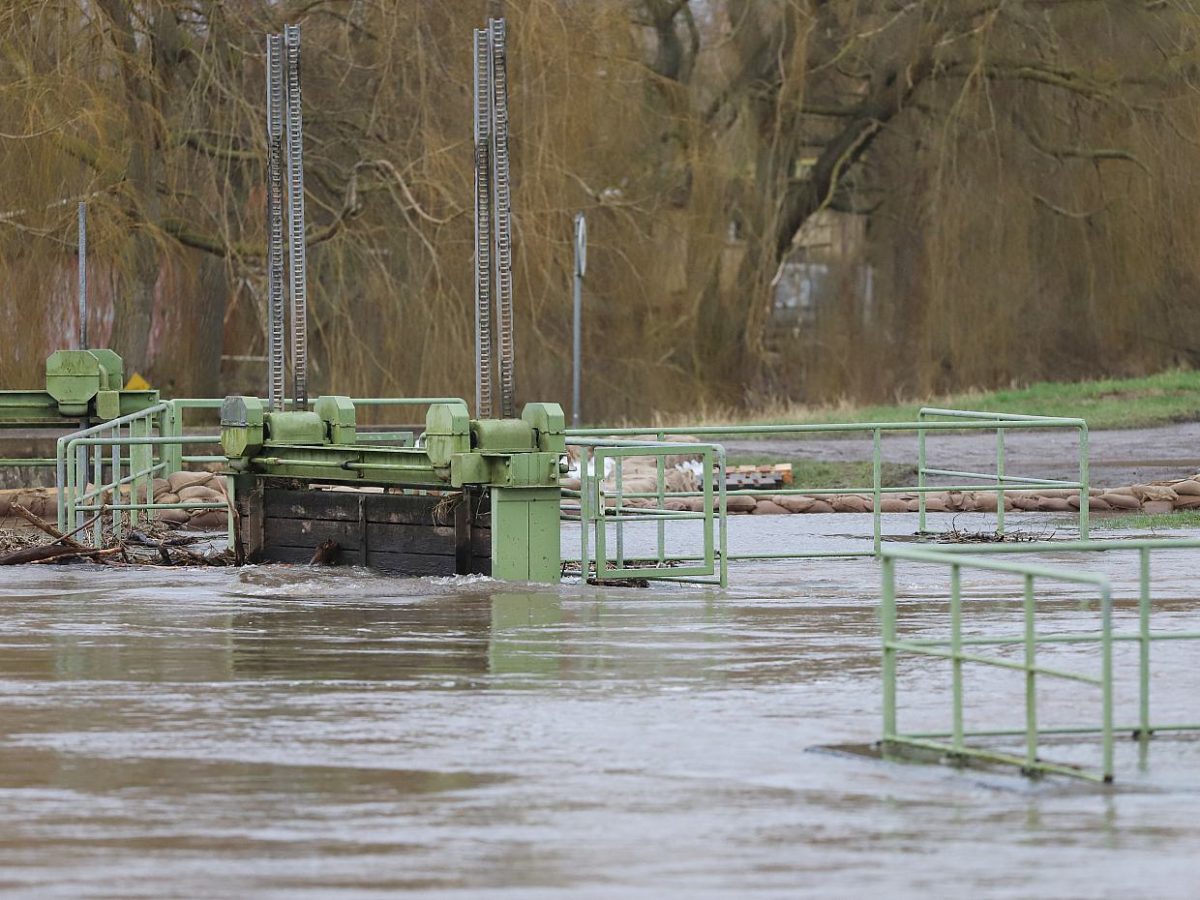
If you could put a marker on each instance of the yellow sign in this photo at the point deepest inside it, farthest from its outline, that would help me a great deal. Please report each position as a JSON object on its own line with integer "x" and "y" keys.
{"x": 137, "y": 383}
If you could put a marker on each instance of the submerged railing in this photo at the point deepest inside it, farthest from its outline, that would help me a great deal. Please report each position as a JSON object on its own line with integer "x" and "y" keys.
{"x": 596, "y": 516}
{"x": 930, "y": 421}
{"x": 959, "y": 650}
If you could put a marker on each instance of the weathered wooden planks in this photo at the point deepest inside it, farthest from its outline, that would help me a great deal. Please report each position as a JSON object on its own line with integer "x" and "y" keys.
{"x": 406, "y": 534}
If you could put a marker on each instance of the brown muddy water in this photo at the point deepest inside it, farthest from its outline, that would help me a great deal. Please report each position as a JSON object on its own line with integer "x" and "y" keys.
{"x": 283, "y": 732}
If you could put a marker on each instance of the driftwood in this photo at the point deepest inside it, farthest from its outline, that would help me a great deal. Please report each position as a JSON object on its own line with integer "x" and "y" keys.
{"x": 52, "y": 553}
{"x": 64, "y": 547}
{"x": 40, "y": 523}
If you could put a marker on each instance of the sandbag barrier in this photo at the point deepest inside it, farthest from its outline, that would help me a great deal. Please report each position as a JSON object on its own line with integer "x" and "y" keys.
{"x": 1151, "y": 499}
{"x": 650, "y": 491}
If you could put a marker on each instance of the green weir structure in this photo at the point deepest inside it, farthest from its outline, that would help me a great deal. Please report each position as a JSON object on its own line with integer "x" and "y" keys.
{"x": 514, "y": 464}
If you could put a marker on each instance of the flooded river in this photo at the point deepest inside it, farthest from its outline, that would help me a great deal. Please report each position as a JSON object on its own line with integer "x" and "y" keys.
{"x": 284, "y": 732}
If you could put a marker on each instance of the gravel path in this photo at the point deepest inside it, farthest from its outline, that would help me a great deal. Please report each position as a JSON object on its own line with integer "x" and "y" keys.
{"x": 1124, "y": 457}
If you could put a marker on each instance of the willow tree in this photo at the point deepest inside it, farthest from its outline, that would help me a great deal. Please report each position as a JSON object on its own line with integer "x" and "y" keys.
{"x": 1021, "y": 168}
{"x": 967, "y": 133}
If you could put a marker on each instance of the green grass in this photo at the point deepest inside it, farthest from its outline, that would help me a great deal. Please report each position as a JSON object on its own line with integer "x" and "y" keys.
{"x": 1184, "y": 518}
{"x": 1111, "y": 403}
{"x": 811, "y": 473}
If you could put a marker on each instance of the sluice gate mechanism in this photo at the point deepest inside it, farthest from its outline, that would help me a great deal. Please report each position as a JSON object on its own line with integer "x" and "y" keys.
{"x": 475, "y": 495}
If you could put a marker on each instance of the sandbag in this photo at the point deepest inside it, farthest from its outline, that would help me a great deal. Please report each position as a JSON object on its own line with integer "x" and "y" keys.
{"x": 851, "y": 503}
{"x": 1117, "y": 500}
{"x": 821, "y": 506}
{"x": 180, "y": 480}
{"x": 740, "y": 504}
{"x": 1186, "y": 488}
{"x": 1157, "y": 507}
{"x": 685, "y": 480}
{"x": 1053, "y": 504}
{"x": 173, "y": 516}
{"x": 767, "y": 508}
{"x": 208, "y": 520}
{"x": 1159, "y": 492}
{"x": 793, "y": 503}
{"x": 893, "y": 504}
{"x": 201, "y": 494}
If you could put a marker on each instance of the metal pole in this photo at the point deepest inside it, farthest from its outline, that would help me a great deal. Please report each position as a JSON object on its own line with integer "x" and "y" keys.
{"x": 276, "y": 343}
{"x": 502, "y": 217}
{"x": 482, "y": 112}
{"x": 297, "y": 249}
{"x": 83, "y": 304}
{"x": 577, "y": 355}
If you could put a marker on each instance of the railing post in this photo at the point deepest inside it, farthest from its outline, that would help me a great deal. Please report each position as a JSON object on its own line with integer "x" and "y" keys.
{"x": 876, "y": 492}
{"x": 723, "y": 513}
{"x": 661, "y": 469}
{"x": 1084, "y": 481}
{"x": 601, "y": 510}
{"x": 707, "y": 500}
{"x": 1000, "y": 495}
{"x": 887, "y": 616}
{"x": 1144, "y": 643}
{"x": 585, "y": 521}
{"x": 1031, "y": 727}
{"x": 620, "y": 522}
{"x": 921, "y": 474}
{"x": 60, "y": 480}
{"x": 98, "y": 487}
{"x": 116, "y": 479}
{"x": 1106, "y": 677}
{"x": 956, "y": 663}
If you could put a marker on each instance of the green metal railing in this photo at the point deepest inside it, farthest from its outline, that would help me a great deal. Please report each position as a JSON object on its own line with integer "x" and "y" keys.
{"x": 958, "y": 649}
{"x": 134, "y": 450}
{"x": 930, "y": 421}
{"x": 595, "y": 515}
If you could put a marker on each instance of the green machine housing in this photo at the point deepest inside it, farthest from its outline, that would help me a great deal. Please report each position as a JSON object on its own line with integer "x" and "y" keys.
{"x": 516, "y": 463}
{"x": 81, "y": 385}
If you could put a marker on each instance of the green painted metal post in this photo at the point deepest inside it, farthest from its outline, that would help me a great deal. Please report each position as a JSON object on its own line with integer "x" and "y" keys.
{"x": 97, "y": 487}
{"x": 887, "y": 615}
{"x": 1144, "y": 643}
{"x": 1106, "y": 678}
{"x": 876, "y": 484}
{"x": 956, "y": 663}
{"x": 921, "y": 475}
{"x": 585, "y": 510}
{"x": 525, "y": 534}
{"x": 722, "y": 514}
{"x": 620, "y": 523}
{"x": 1084, "y": 481}
{"x": 1031, "y": 728}
{"x": 661, "y": 471}
{"x": 171, "y": 424}
{"x": 1000, "y": 495}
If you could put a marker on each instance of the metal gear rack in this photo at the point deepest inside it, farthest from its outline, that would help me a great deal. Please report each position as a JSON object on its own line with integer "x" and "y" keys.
{"x": 493, "y": 225}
